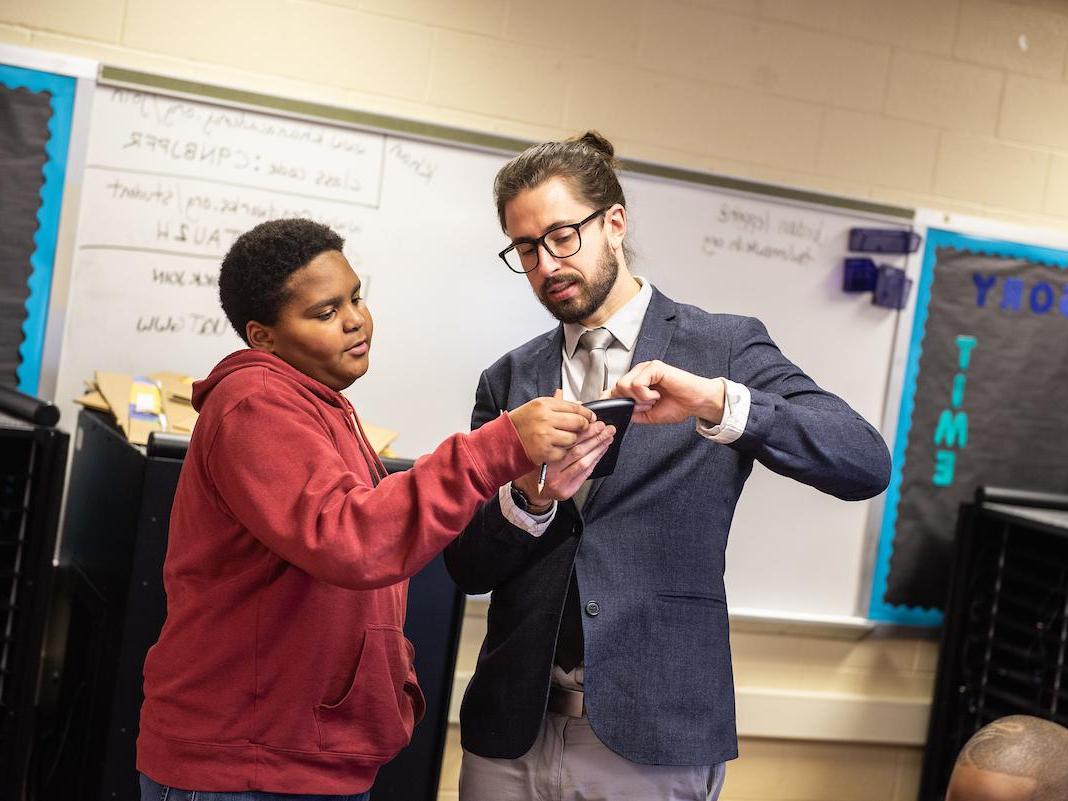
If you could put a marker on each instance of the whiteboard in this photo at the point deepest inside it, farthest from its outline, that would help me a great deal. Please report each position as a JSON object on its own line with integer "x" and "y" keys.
{"x": 791, "y": 547}
{"x": 169, "y": 185}
{"x": 171, "y": 181}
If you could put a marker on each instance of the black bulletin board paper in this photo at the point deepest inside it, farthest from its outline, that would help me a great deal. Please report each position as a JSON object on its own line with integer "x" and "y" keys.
{"x": 24, "y": 118}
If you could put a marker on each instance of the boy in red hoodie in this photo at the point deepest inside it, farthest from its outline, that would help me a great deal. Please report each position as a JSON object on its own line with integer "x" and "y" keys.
{"x": 282, "y": 667}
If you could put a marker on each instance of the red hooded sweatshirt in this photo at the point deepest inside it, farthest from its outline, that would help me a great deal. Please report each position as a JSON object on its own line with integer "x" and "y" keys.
{"x": 282, "y": 665}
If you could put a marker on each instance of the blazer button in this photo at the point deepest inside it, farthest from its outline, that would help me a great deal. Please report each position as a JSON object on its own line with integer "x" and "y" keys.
{"x": 593, "y": 608}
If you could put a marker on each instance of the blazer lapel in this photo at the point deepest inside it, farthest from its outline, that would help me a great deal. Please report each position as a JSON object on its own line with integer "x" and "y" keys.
{"x": 658, "y": 328}
{"x": 548, "y": 361}
{"x": 655, "y": 335}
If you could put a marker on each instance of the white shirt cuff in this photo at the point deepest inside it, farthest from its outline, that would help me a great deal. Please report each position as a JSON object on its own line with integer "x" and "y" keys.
{"x": 535, "y": 525}
{"x": 735, "y": 415}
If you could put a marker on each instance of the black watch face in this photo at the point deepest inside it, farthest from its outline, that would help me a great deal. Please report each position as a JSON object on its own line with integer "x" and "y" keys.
{"x": 520, "y": 499}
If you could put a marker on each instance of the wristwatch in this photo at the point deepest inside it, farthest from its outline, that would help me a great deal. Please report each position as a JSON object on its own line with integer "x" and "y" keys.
{"x": 523, "y": 503}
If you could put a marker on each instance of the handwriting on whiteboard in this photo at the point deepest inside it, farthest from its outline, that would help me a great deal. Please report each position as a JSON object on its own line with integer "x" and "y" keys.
{"x": 157, "y": 135}
{"x": 189, "y": 323}
{"x": 785, "y": 235}
{"x": 421, "y": 166}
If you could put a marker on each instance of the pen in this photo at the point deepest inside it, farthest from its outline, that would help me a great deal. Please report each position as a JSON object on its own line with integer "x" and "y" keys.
{"x": 541, "y": 477}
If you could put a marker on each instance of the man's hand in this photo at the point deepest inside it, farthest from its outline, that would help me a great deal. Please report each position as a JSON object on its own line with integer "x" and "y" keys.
{"x": 566, "y": 475}
{"x": 666, "y": 394}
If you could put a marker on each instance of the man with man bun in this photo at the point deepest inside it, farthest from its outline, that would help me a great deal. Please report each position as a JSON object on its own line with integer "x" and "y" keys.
{"x": 606, "y": 671}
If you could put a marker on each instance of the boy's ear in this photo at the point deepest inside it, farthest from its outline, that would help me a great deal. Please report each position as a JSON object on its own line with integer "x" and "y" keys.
{"x": 259, "y": 336}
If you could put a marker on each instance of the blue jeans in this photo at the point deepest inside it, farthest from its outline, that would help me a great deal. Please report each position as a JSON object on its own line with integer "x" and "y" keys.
{"x": 154, "y": 791}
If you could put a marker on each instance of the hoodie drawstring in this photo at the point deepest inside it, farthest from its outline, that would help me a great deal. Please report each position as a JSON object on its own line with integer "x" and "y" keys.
{"x": 374, "y": 464}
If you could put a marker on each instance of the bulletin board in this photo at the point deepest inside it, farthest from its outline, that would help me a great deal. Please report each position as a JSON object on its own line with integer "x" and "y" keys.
{"x": 981, "y": 403}
{"x": 36, "y": 109}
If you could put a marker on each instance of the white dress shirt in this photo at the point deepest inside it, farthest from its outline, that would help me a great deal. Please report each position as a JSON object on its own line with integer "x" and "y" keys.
{"x": 624, "y": 326}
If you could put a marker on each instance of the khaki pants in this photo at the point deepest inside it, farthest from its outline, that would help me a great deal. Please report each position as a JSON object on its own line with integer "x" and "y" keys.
{"x": 569, "y": 763}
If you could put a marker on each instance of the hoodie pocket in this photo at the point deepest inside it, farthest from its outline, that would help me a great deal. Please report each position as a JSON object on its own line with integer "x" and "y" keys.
{"x": 382, "y": 705}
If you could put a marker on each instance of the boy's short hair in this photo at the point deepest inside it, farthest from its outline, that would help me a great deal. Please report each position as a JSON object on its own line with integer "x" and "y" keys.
{"x": 1019, "y": 756}
{"x": 254, "y": 272}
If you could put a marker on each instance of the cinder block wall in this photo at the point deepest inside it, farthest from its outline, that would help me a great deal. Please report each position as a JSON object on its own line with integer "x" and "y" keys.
{"x": 960, "y": 105}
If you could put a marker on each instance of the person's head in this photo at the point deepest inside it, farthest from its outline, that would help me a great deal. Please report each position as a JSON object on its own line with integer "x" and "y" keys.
{"x": 542, "y": 195}
{"x": 287, "y": 289}
{"x": 1016, "y": 758}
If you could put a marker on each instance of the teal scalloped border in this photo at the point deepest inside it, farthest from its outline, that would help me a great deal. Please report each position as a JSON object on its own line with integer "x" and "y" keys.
{"x": 878, "y": 609}
{"x": 61, "y": 90}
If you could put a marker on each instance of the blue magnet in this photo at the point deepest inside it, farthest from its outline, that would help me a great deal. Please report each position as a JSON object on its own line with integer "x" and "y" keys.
{"x": 883, "y": 240}
{"x": 891, "y": 287}
{"x": 859, "y": 275}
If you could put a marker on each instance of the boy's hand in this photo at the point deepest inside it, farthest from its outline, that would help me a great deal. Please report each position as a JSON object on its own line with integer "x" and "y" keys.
{"x": 549, "y": 426}
{"x": 566, "y": 475}
{"x": 666, "y": 394}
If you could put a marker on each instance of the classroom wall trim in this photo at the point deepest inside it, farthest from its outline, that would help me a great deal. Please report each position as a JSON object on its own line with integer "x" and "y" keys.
{"x": 788, "y": 714}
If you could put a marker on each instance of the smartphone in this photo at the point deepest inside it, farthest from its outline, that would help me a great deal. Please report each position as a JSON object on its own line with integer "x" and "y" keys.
{"x": 613, "y": 412}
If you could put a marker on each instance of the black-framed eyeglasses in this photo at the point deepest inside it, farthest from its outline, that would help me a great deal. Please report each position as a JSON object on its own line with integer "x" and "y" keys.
{"x": 560, "y": 242}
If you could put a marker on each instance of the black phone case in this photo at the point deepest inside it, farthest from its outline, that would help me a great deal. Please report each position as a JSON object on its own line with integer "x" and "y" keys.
{"x": 616, "y": 412}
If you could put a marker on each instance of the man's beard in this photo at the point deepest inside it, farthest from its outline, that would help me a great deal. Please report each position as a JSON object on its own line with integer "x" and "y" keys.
{"x": 591, "y": 293}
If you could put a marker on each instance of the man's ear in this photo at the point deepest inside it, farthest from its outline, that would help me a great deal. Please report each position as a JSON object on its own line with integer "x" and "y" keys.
{"x": 616, "y": 224}
{"x": 260, "y": 337}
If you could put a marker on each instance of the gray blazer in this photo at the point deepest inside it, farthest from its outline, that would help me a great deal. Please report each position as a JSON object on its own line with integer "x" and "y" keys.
{"x": 648, "y": 547}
